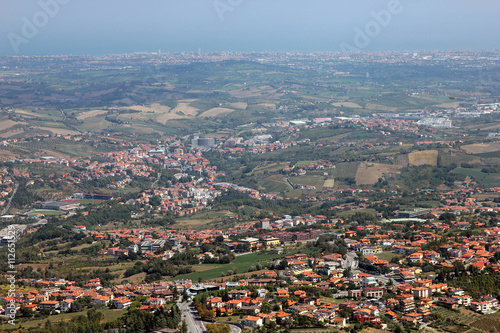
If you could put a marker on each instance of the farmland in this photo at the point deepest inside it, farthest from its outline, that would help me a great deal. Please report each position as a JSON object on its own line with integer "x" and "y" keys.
{"x": 485, "y": 179}
{"x": 479, "y": 148}
{"x": 369, "y": 173}
{"x": 423, "y": 157}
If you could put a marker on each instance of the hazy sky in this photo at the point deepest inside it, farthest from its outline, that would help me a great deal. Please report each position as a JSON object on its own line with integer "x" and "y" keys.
{"x": 98, "y": 27}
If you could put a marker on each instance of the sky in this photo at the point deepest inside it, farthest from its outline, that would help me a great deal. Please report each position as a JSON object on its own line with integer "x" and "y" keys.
{"x": 100, "y": 27}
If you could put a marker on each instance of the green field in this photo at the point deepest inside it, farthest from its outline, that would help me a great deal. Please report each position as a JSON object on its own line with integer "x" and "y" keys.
{"x": 346, "y": 170}
{"x": 275, "y": 186}
{"x": 348, "y": 213}
{"x": 47, "y": 212}
{"x": 242, "y": 263}
{"x": 493, "y": 154}
{"x": 308, "y": 181}
{"x": 486, "y": 179}
{"x": 387, "y": 256}
{"x": 272, "y": 167}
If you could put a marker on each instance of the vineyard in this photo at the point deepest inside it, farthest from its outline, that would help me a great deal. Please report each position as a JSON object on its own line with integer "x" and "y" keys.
{"x": 452, "y": 321}
{"x": 486, "y": 323}
{"x": 57, "y": 147}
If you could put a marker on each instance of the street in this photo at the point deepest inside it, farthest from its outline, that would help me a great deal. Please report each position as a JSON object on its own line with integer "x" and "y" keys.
{"x": 194, "y": 325}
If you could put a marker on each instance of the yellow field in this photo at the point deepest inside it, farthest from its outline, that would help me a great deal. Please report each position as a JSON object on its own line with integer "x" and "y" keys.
{"x": 90, "y": 114}
{"x": 329, "y": 183}
{"x": 368, "y": 173}
{"x": 9, "y": 123}
{"x": 239, "y": 105}
{"x": 53, "y": 153}
{"x": 347, "y": 105}
{"x": 263, "y": 91}
{"x": 186, "y": 109}
{"x": 423, "y": 157}
{"x": 134, "y": 279}
{"x": 372, "y": 106}
{"x": 268, "y": 106}
{"x": 28, "y": 113}
{"x": 215, "y": 112}
{"x": 12, "y": 132}
{"x": 478, "y": 148}
{"x": 62, "y": 131}
{"x": 6, "y": 155}
{"x": 155, "y": 107}
{"x": 451, "y": 105}
{"x": 163, "y": 113}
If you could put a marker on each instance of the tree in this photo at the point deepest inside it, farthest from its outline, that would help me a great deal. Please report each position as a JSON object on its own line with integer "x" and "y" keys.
{"x": 218, "y": 328}
{"x": 184, "y": 327}
{"x": 266, "y": 307}
{"x": 155, "y": 200}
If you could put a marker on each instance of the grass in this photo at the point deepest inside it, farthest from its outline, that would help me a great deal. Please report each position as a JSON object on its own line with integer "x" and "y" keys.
{"x": 47, "y": 212}
{"x": 308, "y": 181}
{"x": 201, "y": 219}
{"x": 332, "y": 300}
{"x": 354, "y": 211}
{"x": 241, "y": 263}
{"x": 387, "y": 256}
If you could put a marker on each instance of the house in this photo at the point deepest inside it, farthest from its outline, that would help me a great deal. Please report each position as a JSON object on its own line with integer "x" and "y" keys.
{"x": 421, "y": 292}
{"x": 66, "y": 304}
{"x": 32, "y": 307}
{"x": 450, "y": 303}
{"x": 485, "y": 304}
{"x": 49, "y": 305}
{"x": 373, "y": 292}
{"x": 122, "y": 302}
{"x": 412, "y": 318}
{"x": 340, "y": 322}
{"x": 407, "y": 305}
{"x": 234, "y": 304}
{"x": 282, "y": 293}
{"x": 368, "y": 281}
{"x": 215, "y": 303}
{"x": 253, "y": 321}
{"x": 238, "y": 294}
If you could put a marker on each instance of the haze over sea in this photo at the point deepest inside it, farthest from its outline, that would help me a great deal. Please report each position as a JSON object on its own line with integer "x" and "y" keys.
{"x": 99, "y": 27}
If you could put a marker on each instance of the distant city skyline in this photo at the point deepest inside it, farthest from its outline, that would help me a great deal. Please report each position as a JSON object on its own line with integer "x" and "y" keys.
{"x": 96, "y": 27}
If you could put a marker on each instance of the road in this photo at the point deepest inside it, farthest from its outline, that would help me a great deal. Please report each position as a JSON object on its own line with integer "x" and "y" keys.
{"x": 194, "y": 325}
{"x": 6, "y": 209}
{"x": 235, "y": 329}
